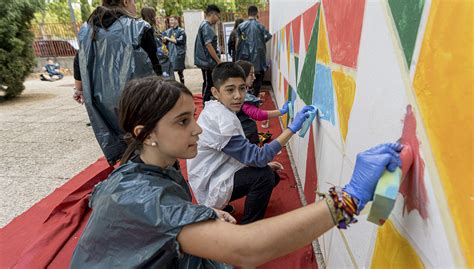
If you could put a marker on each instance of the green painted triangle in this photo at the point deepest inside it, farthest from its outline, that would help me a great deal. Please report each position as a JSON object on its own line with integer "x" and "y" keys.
{"x": 407, "y": 16}
{"x": 296, "y": 69}
{"x": 305, "y": 86}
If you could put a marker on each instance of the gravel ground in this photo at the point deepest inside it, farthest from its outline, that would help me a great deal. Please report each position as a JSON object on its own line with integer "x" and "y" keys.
{"x": 45, "y": 140}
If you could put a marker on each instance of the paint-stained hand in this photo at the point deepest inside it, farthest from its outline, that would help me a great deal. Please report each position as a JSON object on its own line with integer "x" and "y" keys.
{"x": 369, "y": 167}
{"x": 285, "y": 108}
{"x": 299, "y": 119}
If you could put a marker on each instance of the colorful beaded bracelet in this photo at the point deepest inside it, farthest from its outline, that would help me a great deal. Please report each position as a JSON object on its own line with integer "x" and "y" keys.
{"x": 342, "y": 206}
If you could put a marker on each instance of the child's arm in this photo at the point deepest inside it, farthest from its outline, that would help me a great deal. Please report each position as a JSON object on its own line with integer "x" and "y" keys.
{"x": 259, "y": 114}
{"x": 277, "y": 236}
{"x": 254, "y": 112}
{"x": 250, "y": 154}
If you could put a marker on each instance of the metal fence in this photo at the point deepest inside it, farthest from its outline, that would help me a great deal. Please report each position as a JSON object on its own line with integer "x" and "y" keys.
{"x": 55, "y": 39}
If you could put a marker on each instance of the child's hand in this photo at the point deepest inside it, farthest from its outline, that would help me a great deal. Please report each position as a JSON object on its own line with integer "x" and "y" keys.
{"x": 284, "y": 108}
{"x": 275, "y": 166}
{"x": 299, "y": 119}
{"x": 369, "y": 167}
{"x": 224, "y": 216}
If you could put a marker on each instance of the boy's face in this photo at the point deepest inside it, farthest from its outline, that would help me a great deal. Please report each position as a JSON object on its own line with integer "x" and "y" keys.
{"x": 214, "y": 17}
{"x": 173, "y": 22}
{"x": 231, "y": 93}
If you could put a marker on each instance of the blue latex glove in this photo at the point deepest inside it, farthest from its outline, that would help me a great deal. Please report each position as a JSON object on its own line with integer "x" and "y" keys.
{"x": 284, "y": 109}
{"x": 299, "y": 119}
{"x": 369, "y": 167}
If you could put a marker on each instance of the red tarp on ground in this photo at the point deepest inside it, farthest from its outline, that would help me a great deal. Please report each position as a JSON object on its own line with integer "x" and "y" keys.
{"x": 47, "y": 233}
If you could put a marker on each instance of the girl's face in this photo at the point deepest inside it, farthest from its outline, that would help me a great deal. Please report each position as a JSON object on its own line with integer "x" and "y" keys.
{"x": 250, "y": 78}
{"x": 177, "y": 133}
{"x": 157, "y": 22}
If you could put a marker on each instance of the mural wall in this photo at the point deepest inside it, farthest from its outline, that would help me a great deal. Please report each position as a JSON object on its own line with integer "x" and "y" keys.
{"x": 382, "y": 71}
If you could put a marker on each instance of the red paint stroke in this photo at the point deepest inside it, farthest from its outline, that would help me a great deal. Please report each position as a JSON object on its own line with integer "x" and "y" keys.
{"x": 287, "y": 34}
{"x": 311, "y": 172}
{"x": 309, "y": 17}
{"x": 344, "y": 26}
{"x": 413, "y": 185}
{"x": 296, "y": 25}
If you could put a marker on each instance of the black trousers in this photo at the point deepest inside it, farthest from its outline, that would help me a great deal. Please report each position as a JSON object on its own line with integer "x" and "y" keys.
{"x": 181, "y": 76}
{"x": 206, "y": 85}
{"x": 257, "y": 184}
{"x": 257, "y": 83}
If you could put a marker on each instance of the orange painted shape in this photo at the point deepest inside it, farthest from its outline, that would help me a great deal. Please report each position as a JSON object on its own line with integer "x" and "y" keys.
{"x": 443, "y": 86}
{"x": 322, "y": 53}
{"x": 344, "y": 85}
{"x": 392, "y": 250}
{"x": 296, "y": 30}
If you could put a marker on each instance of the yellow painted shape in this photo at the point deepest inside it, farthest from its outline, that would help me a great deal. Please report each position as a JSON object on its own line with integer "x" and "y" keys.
{"x": 344, "y": 85}
{"x": 443, "y": 86}
{"x": 284, "y": 120}
{"x": 392, "y": 250}
{"x": 322, "y": 54}
{"x": 279, "y": 81}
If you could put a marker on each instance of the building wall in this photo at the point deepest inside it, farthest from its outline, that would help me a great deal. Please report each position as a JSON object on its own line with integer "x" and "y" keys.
{"x": 380, "y": 71}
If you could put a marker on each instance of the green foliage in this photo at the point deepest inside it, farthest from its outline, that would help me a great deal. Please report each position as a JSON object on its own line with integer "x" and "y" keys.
{"x": 60, "y": 9}
{"x": 16, "y": 52}
{"x": 176, "y": 7}
{"x": 85, "y": 10}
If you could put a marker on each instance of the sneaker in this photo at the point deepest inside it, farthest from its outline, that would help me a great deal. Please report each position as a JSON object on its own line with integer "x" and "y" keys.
{"x": 229, "y": 209}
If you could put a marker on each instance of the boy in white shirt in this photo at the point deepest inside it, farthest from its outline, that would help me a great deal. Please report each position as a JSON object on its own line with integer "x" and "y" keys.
{"x": 227, "y": 166}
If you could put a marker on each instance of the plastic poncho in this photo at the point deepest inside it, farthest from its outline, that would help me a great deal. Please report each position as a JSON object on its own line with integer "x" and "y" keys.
{"x": 106, "y": 65}
{"x": 177, "y": 52}
{"x": 251, "y": 47}
{"x": 211, "y": 172}
{"x": 137, "y": 214}
{"x": 162, "y": 54}
{"x": 202, "y": 57}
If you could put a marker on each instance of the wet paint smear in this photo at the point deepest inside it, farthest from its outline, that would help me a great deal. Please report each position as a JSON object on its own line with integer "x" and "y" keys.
{"x": 413, "y": 185}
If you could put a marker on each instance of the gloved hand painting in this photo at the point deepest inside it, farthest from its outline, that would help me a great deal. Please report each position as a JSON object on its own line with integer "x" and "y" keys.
{"x": 285, "y": 108}
{"x": 369, "y": 167}
{"x": 299, "y": 119}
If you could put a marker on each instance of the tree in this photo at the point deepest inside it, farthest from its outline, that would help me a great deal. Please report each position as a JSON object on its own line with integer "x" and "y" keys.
{"x": 60, "y": 9}
{"x": 16, "y": 53}
{"x": 85, "y": 10}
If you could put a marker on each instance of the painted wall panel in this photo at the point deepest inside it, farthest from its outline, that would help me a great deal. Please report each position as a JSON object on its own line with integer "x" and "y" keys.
{"x": 354, "y": 66}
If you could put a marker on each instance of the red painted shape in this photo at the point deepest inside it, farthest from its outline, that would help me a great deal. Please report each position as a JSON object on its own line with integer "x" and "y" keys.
{"x": 344, "y": 26}
{"x": 296, "y": 25}
{"x": 413, "y": 185}
{"x": 309, "y": 17}
{"x": 311, "y": 180}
